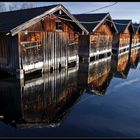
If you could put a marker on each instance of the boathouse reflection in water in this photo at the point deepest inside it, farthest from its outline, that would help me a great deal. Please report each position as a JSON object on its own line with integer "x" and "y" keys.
{"x": 46, "y": 101}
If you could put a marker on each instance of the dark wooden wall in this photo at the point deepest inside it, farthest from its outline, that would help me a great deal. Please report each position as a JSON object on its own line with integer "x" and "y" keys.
{"x": 84, "y": 48}
{"x": 9, "y": 58}
{"x": 4, "y": 51}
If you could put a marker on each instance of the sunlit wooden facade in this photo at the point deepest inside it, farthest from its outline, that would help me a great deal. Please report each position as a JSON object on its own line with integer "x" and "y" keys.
{"x": 38, "y": 39}
{"x": 98, "y": 43}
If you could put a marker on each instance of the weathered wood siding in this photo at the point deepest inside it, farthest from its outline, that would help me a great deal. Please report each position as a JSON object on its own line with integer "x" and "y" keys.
{"x": 55, "y": 50}
{"x": 31, "y": 51}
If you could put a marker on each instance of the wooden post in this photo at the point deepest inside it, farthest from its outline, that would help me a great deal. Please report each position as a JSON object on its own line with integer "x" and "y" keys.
{"x": 84, "y": 47}
{"x": 131, "y": 36}
{"x": 20, "y": 71}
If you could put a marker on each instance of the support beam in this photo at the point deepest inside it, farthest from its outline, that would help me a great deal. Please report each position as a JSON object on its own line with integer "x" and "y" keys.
{"x": 20, "y": 74}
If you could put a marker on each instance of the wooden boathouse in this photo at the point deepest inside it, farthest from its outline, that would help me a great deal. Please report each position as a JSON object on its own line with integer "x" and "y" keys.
{"x": 98, "y": 43}
{"x": 38, "y": 39}
{"x": 123, "y": 40}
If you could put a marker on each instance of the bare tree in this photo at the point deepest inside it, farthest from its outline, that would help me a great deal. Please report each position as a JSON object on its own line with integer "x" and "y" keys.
{"x": 20, "y": 5}
{"x": 2, "y": 7}
{"x": 26, "y": 5}
{"x": 13, "y": 6}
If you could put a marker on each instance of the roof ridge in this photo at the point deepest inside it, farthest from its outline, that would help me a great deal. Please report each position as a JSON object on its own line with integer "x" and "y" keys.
{"x": 92, "y": 13}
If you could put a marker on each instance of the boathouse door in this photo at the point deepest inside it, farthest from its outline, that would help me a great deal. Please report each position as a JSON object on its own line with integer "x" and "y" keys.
{"x": 55, "y": 50}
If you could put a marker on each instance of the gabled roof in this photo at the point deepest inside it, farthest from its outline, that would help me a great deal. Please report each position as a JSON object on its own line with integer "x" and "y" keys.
{"x": 136, "y": 27}
{"x": 98, "y": 19}
{"x": 122, "y": 24}
{"x": 14, "y": 21}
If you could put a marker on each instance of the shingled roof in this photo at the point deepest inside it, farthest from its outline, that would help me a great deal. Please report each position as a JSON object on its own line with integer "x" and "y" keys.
{"x": 13, "y": 19}
{"x": 99, "y": 17}
{"x": 136, "y": 27}
{"x": 125, "y": 24}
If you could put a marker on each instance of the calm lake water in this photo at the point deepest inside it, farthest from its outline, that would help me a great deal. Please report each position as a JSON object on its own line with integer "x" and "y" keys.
{"x": 101, "y": 99}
